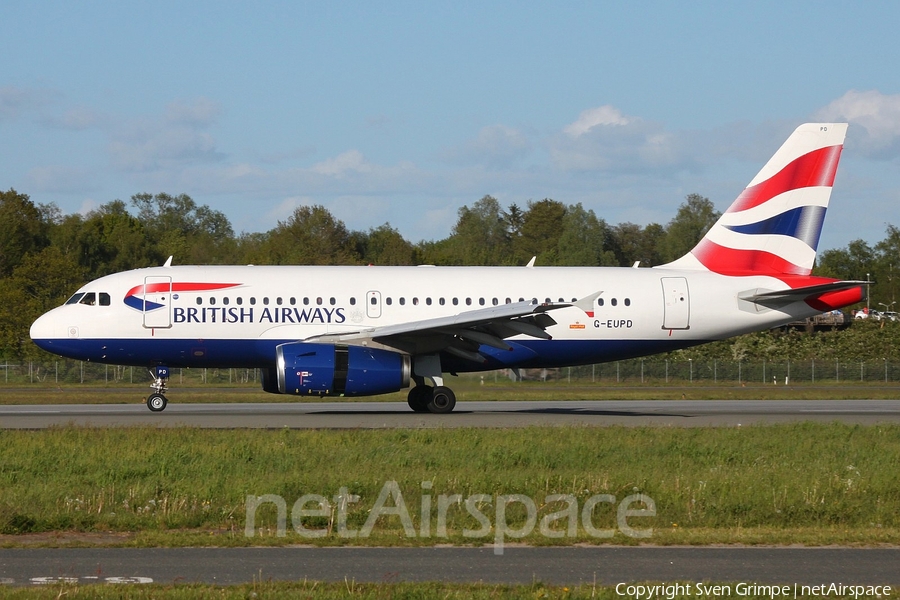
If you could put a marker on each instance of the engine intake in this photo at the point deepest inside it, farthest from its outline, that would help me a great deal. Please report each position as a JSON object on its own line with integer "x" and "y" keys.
{"x": 338, "y": 370}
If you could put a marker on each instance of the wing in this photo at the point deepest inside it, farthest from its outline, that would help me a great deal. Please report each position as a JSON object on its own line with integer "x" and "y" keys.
{"x": 461, "y": 334}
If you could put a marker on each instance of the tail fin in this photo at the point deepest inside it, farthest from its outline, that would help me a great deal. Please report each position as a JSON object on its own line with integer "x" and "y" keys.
{"x": 773, "y": 227}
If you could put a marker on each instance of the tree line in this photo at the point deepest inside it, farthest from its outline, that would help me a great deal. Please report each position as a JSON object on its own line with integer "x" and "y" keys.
{"x": 46, "y": 255}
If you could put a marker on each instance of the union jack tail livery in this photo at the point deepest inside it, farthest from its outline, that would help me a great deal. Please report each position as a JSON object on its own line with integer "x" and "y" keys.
{"x": 773, "y": 227}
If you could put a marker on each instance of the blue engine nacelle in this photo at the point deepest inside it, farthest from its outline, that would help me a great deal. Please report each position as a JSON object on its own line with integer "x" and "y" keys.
{"x": 339, "y": 370}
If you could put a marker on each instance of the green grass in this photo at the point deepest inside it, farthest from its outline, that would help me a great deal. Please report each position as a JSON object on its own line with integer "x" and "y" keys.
{"x": 795, "y": 483}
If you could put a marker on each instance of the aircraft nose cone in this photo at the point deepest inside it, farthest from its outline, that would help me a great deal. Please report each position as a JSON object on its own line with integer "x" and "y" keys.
{"x": 45, "y": 329}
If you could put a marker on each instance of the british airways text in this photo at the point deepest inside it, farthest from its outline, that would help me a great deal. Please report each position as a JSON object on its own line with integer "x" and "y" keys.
{"x": 209, "y": 314}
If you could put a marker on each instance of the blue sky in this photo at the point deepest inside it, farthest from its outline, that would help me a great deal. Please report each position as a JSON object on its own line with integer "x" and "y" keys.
{"x": 402, "y": 112}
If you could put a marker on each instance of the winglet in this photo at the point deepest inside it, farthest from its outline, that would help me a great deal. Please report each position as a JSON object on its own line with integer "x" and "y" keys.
{"x": 587, "y": 303}
{"x": 168, "y": 262}
{"x": 531, "y": 262}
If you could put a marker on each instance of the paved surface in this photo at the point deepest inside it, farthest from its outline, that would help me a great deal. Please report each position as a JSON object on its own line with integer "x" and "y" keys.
{"x": 375, "y": 415}
{"x": 560, "y": 566}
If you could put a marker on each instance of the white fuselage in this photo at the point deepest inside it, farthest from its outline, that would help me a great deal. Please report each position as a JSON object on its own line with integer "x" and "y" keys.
{"x": 236, "y": 315}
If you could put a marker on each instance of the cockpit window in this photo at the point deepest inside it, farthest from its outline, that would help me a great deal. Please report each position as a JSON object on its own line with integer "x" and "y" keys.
{"x": 104, "y": 299}
{"x": 90, "y": 299}
{"x": 74, "y": 299}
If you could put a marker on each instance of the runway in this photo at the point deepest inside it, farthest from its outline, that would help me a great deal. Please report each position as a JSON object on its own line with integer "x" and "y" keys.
{"x": 559, "y": 566}
{"x": 385, "y": 415}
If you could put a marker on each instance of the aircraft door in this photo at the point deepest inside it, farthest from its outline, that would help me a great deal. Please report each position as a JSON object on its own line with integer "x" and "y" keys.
{"x": 157, "y": 302}
{"x": 677, "y": 303}
{"x": 373, "y": 304}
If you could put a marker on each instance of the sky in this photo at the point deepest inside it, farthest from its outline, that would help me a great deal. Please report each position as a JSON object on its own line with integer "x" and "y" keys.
{"x": 402, "y": 112}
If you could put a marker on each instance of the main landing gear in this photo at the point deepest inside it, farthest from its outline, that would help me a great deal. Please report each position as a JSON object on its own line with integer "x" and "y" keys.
{"x": 157, "y": 401}
{"x": 425, "y": 398}
{"x": 438, "y": 399}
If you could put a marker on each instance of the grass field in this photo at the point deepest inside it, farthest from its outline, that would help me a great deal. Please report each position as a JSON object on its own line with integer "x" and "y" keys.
{"x": 782, "y": 484}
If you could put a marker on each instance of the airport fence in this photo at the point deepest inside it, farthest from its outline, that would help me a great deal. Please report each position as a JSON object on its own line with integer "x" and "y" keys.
{"x": 59, "y": 372}
{"x": 648, "y": 371}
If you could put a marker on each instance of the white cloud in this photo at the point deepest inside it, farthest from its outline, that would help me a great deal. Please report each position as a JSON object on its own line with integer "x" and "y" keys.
{"x": 284, "y": 209}
{"x": 603, "y": 139}
{"x": 59, "y": 179}
{"x": 76, "y": 119}
{"x": 174, "y": 140}
{"x": 88, "y": 206}
{"x": 496, "y": 146}
{"x": 15, "y": 101}
{"x": 874, "y": 119}
{"x": 201, "y": 112}
{"x": 593, "y": 117}
{"x": 350, "y": 161}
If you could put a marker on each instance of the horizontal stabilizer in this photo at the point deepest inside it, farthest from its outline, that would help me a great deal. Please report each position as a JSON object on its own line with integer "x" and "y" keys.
{"x": 784, "y": 297}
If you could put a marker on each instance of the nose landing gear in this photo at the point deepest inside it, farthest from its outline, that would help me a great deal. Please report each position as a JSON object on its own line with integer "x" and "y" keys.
{"x": 157, "y": 401}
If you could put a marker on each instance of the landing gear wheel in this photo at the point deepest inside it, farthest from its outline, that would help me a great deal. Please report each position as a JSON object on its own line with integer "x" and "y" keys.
{"x": 156, "y": 402}
{"x": 443, "y": 400}
{"x": 419, "y": 397}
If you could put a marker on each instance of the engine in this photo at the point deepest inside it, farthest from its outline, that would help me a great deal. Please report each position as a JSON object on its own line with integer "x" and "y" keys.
{"x": 336, "y": 370}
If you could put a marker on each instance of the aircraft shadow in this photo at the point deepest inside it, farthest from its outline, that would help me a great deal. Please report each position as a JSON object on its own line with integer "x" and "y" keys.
{"x": 536, "y": 411}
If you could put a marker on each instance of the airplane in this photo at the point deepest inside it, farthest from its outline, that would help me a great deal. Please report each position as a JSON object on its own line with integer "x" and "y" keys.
{"x": 366, "y": 330}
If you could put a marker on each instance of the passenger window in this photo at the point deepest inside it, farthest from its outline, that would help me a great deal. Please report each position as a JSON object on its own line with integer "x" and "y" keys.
{"x": 441, "y": 301}
{"x": 89, "y": 299}
{"x": 415, "y": 301}
{"x": 455, "y": 301}
{"x": 627, "y": 301}
{"x": 509, "y": 300}
{"x": 225, "y": 301}
{"x": 495, "y": 302}
{"x": 373, "y": 301}
{"x": 388, "y": 301}
{"x": 252, "y": 301}
{"x": 332, "y": 301}
{"x": 352, "y": 301}
{"x": 468, "y": 301}
{"x": 278, "y": 301}
{"x": 306, "y": 302}
{"x": 293, "y": 301}
{"x": 599, "y": 301}
{"x": 428, "y": 301}
{"x": 319, "y": 300}
{"x": 240, "y": 300}
{"x": 266, "y": 300}
{"x": 614, "y": 302}
{"x": 212, "y": 300}
{"x": 402, "y": 301}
